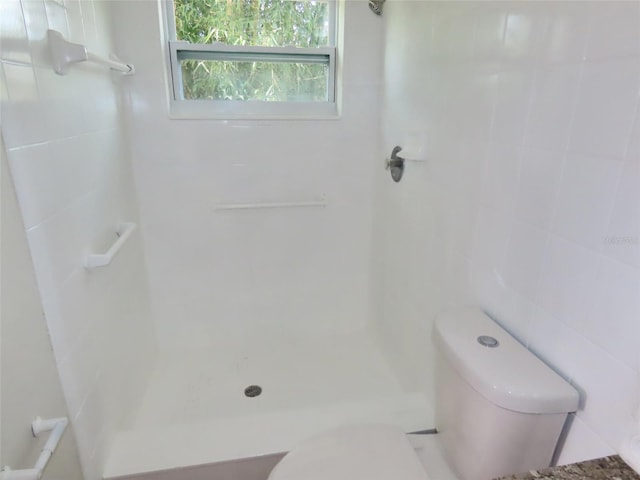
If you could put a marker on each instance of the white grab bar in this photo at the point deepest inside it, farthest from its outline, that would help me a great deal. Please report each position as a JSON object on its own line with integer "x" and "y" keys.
{"x": 94, "y": 260}
{"x": 56, "y": 426}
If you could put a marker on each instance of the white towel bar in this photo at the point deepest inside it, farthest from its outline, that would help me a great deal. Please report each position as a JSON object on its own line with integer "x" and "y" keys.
{"x": 94, "y": 260}
{"x": 64, "y": 54}
{"x": 259, "y": 206}
{"x": 57, "y": 427}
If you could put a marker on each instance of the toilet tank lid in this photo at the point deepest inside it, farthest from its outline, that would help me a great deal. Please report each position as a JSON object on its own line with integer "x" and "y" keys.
{"x": 367, "y": 451}
{"x": 508, "y": 374}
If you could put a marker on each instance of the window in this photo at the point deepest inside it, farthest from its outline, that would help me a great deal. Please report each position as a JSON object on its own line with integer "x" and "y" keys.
{"x": 241, "y": 58}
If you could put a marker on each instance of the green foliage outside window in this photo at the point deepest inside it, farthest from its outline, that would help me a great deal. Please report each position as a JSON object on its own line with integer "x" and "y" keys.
{"x": 264, "y": 23}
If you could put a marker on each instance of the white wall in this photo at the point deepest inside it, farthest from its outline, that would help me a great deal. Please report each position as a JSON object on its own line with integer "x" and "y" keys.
{"x": 239, "y": 277}
{"x": 70, "y": 166}
{"x": 29, "y": 382}
{"x": 529, "y": 202}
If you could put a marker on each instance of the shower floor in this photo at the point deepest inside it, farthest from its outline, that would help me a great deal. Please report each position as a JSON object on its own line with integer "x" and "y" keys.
{"x": 195, "y": 411}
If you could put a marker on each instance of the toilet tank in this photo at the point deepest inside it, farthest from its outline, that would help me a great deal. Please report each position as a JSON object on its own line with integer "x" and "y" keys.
{"x": 499, "y": 409}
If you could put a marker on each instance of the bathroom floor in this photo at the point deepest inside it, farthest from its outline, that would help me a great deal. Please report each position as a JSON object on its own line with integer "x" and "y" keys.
{"x": 195, "y": 410}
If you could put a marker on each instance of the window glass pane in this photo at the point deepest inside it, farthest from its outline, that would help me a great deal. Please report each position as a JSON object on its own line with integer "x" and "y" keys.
{"x": 260, "y": 23}
{"x": 255, "y": 80}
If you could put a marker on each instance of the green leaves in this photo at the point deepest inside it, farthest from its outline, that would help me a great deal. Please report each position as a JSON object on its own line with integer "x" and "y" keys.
{"x": 264, "y": 23}
{"x": 258, "y": 23}
{"x": 264, "y": 81}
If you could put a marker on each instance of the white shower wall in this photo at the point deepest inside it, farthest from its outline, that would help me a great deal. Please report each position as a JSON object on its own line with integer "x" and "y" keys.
{"x": 528, "y": 203}
{"x": 239, "y": 278}
{"x": 69, "y": 163}
{"x": 29, "y": 383}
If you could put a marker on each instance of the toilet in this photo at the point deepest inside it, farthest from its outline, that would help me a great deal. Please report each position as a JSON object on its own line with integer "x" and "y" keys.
{"x": 498, "y": 410}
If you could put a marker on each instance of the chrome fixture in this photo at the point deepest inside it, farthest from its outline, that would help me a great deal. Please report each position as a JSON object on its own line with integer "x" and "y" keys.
{"x": 252, "y": 391}
{"x": 376, "y": 6}
{"x": 396, "y": 164}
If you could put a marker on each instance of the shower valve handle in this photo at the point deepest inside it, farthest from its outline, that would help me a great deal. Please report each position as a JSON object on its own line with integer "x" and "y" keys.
{"x": 395, "y": 160}
{"x": 395, "y": 164}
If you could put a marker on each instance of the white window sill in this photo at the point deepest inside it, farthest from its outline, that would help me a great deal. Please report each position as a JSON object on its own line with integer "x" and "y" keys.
{"x": 231, "y": 110}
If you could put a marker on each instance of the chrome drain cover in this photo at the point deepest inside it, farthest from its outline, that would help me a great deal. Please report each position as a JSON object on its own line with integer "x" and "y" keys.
{"x": 253, "y": 391}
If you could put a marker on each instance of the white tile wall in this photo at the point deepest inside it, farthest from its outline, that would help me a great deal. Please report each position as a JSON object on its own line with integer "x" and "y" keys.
{"x": 501, "y": 174}
{"x": 612, "y": 320}
{"x": 625, "y": 217}
{"x": 585, "y": 199}
{"x": 568, "y": 280}
{"x": 556, "y": 241}
{"x": 613, "y": 30}
{"x": 540, "y": 175}
{"x": 526, "y": 249}
{"x": 17, "y": 48}
{"x": 605, "y": 108}
{"x": 70, "y": 166}
{"x": 235, "y": 276}
{"x": 554, "y": 97}
{"x": 30, "y": 386}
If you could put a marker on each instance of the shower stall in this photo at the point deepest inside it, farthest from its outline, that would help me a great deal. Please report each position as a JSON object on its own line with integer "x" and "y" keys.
{"x": 258, "y": 242}
{"x": 206, "y": 283}
{"x": 271, "y": 280}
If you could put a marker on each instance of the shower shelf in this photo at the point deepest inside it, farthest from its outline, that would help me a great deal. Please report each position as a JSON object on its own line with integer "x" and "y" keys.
{"x": 94, "y": 260}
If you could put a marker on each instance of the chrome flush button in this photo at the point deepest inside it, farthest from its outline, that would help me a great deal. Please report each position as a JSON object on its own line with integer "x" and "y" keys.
{"x": 487, "y": 341}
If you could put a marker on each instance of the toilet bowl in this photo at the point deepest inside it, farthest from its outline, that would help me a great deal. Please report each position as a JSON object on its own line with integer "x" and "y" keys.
{"x": 499, "y": 410}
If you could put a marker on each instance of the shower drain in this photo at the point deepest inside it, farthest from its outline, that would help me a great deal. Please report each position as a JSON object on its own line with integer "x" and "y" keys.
{"x": 253, "y": 391}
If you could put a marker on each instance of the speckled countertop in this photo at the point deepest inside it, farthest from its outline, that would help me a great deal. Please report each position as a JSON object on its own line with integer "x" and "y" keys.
{"x": 607, "y": 468}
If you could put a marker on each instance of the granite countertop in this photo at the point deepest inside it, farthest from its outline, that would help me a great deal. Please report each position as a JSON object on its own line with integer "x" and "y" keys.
{"x": 607, "y": 468}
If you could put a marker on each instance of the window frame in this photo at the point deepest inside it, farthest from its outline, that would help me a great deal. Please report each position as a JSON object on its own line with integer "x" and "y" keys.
{"x": 249, "y": 109}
